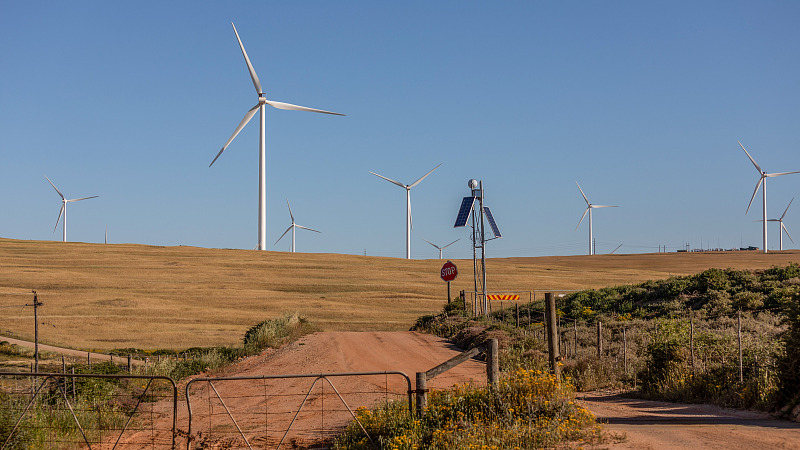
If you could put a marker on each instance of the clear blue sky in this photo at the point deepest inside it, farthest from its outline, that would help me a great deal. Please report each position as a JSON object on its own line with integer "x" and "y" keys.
{"x": 640, "y": 102}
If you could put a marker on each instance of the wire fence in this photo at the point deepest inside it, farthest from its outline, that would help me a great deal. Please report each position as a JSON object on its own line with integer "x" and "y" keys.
{"x": 56, "y": 410}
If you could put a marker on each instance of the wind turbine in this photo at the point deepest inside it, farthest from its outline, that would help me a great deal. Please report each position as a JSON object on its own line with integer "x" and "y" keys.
{"x": 762, "y": 179}
{"x": 63, "y": 210}
{"x": 262, "y": 101}
{"x": 441, "y": 248}
{"x": 407, "y": 187}
{"x": 589, "y": 208}
{"x": 782, "y": 227}
{"x": 293, "y": 226}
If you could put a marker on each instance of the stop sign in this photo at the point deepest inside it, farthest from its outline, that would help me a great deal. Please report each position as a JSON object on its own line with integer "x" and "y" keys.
{"x": 449, "y": 271}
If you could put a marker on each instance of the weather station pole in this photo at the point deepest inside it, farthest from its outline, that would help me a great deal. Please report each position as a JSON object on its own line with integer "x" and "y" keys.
{"x": 479, "y": 240}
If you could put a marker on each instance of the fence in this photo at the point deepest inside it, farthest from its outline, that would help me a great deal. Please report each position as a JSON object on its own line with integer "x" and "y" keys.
{"x": 58, "y": 410}
{"x": 292, "y": 411}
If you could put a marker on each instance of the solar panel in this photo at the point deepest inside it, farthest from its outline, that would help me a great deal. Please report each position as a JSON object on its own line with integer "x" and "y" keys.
{"x": 492, "y": 223}
{"x": 464, "y": 211}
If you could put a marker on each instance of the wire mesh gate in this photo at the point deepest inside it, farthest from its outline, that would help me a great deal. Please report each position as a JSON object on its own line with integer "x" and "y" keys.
{"x": 59, "y": 410}
{"x": 293, "y": 411}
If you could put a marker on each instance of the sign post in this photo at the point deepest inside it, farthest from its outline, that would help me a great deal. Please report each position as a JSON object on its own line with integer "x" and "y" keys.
{"x": 449, "y": 273}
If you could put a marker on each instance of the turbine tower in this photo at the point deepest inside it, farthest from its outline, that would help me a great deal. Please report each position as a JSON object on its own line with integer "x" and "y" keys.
{"x": 782, "y": 227}
{"x": 262, "y": 101}
{"x": 63, "y": 210}
{"x": 292, "y": 227}
{"x": 589, "y": 208}
{"x": 407, "y": 187}
{"x": 762, "y": 179}
{"x": 441, "y": 248}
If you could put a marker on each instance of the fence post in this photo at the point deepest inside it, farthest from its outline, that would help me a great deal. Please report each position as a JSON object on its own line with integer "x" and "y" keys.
{"x": 516, "y": 307}
{"x": 739, "y": 338}
{"x": 89, "y": 359}
{"x": 493, "y": 362}
{"x": 599, "y": 339}
{"x": 129, "y": 363}
{"x": 74, "y": 392}
{"x": 575, "y": 330}
{"x": 552, "y": 333}
{"x": 624, "y": 351}
{"x": 691, "y": 339}
{"x": 422, "y": 393}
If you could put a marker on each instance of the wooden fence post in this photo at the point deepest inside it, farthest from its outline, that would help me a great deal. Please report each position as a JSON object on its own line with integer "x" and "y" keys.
{"x": 129, "y": 363}
{"x": 516, "y": 307}
{"x": 691, "y": 339}
{"x": 422, "y": 393}
{"x": 624, "y": 351}
{"x": 599, "y": 339}
{"x": 575, "y": 330}
{"x": 739, "y": 338}
{"x": 493, "y": 362}
{"x": 552, "y": 333}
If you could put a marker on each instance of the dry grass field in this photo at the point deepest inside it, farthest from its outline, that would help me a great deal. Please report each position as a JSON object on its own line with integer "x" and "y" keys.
{"x": 100, "y": 297}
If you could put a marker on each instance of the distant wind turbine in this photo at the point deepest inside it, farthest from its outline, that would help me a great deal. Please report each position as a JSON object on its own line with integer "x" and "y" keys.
{"x": 292, "y": 227}
{"x": 63, "y": 210}
{"x": 589, "y": 208}
{"x": 407, "y": 187}
{"x": 262, "y": 100}
{"x": 782, "y": 227}
{"x": 441, "y": 248}
{"x": 762, "y": 179}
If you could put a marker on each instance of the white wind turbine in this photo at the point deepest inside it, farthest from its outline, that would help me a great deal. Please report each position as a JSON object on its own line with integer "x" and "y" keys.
{"x": 441, "y": 248}
{"x": 762, "y": 179}
{"x": 63, "y": 210}
{"x": 292, "y": 227}
{"x": 589, "y": 208}
{"x": 262, "y": 101}
{"x": 782, "y": 227}
{"x": 407, "y": 187}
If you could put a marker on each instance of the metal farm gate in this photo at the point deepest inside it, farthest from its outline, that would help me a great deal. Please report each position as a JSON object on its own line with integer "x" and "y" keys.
{"x": 284, "y": 411}
{"x": 60, "y": 410}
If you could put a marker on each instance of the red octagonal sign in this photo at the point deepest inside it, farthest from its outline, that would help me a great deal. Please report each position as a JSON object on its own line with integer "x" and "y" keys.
{"x": 449, "y": 271}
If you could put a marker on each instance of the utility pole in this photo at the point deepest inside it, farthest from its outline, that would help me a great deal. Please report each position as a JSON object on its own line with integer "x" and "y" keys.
{"x": 36, "y": 304}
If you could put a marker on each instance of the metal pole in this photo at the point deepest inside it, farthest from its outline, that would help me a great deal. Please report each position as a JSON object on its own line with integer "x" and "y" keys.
{"x": 483, "y": 249}
{"x": 448, "y": 292}
{"x": 625, "y": 351}
{"x": 36, "y": 305}
{"x": 691, "y": 339}
{"x": 599, "y": 339}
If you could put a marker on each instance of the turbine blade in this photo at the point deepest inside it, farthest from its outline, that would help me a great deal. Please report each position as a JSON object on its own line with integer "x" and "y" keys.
{"x": 60, "y": 213}
{"x": 290, "y": 210}
{"x": 429, "y": 242}
{"x": 253, "y": 75}
{"x": 248, "y": 115}
{"x": 787, "y": 232}
{"x": 309, "y": 229}
{"x": 603, "y": 206}
{"x": 390, "y": 180}
{"x": 787, "y": 209}
{"x": 584, "y": 195}
{"x": 284, "y": 234}
{"x": 448, "y": 245}
{"x": 291, "y": 107}
{"x": 423, "y": 177}
{"x": 751, "y": 158}
{"x": 84, "y": 198}
{"x": 54, "y": 187}
{"x": 584, "y": 215}
{"x": 779, "y": 174}
{"x": 758, "y": 185}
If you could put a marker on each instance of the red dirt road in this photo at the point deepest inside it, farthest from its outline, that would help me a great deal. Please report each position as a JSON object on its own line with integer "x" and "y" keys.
{"x": 310, "y": 408}
{"x": 650, "y": 425}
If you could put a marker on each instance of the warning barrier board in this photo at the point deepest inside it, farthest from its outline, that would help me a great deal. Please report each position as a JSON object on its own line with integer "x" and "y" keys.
{"x": 502, "y": 296}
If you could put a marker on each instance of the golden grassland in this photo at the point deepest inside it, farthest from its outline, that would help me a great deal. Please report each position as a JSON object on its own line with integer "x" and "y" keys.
{"x": 104, "y": 296}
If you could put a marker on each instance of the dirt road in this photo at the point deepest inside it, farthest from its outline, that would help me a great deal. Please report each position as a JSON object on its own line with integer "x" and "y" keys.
{"x": 652, "y": 425}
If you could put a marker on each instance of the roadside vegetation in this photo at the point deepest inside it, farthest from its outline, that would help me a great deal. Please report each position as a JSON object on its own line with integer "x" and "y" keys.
{"x": 674, "y": 339}
{"x": 528, "y": 409}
